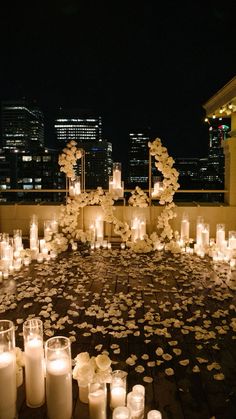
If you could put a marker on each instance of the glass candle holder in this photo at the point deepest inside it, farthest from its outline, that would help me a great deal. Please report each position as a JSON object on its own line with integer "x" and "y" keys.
{"x": 232, "y": 240}
{"x": 199, "y": 227}
{"x": 154, "y": 414}
{"x": 58, "y": 378}
{"x": 47, "y": 230}
{"x": 135, "y": 402}
{"x": 205, "y": 235}
{"x": 121, "y": 412}
{"x": 138, "y": 388}
{"x": 34, "y": 232}
{"x": 99, "y": 227}
{"x": 118, "y": 388}
{"x": 97, "y": 400}
{"x": 17, "y": 239}
{"x": 7, "y": 370}
{"x": 184, "y": 232}
{"x": 34, "y": 362}
{"x": 220, "y": 235}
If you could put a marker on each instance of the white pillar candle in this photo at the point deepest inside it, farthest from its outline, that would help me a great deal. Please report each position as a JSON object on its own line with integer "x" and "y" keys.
{"x": 34, "y": 362}
{"x": 205, "y": 235}
{"x": 7, "y": 385}
{"x": 232, "y": 240}
{"x": 34, "y": 372}
{"x": 58, "y": 378}
{"x": 7, "y": 370}
{"x": 199, "y": 234}
{"x": 220, "y": 235}
{"x": 59, "y": 389}
{"x": 184, "y": 234}
{"x": 42, "y": 244}
{"x": 116, "y": 179}
{"x": 97, "y": 401}
{"x": 118, "y": 397}
{"x": 121, "y": 413}
{"x": 99, "y": 229}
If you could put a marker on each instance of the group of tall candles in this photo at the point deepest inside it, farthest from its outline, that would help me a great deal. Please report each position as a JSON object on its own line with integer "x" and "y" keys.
{"x": 48, "y": 377}
{"x": 223, "y": 249}
{"x": 138, "y": 229}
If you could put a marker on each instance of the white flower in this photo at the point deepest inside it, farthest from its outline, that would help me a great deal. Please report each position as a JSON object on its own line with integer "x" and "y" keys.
{"x": 103, "y": 362}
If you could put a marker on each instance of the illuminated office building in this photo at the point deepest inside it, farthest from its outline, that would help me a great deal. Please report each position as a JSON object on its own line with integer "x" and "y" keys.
{"x": 138, "y": 160}
{"x": 98, "y": 163}
{"x": 22, "y": 126}
{"x": 80, "y": 126}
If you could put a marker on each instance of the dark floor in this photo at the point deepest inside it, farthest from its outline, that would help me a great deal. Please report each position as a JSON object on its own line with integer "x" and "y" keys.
{"x": 131, "y": 305}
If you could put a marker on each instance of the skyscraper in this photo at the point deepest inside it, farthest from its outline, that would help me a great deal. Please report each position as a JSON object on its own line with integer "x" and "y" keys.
{"x": 22, "y": 126}
{"x": 138, "y": 160}
{"x": 78, "y": 125}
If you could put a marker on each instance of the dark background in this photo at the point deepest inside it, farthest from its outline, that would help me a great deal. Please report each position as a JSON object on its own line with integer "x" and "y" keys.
{"x": 138, "y": 64}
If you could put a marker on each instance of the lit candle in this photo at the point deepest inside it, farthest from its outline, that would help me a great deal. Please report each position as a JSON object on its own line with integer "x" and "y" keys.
{"x": 232, "y": 240}
{"x": 97, "y": 400}
{"x": 184, "y": 234}
{"x": 205, "y": 235}
{"x": 118, "y": 388}
{"x": 42, "y": 244}
{"x": 40, "y": 258}
{"x": 199, "y": 228}
{"x": 7, "y": 370}
{"x": 154, "y": 414}
{"x": 34, "y": 362}
{"x": 7, "y": 385}
{"x": 58, "y": 378}
{"x": 121, "y": 413}
{"x": 220, "y": 235}
{"x": 122, "y": 246}
{"x": 99, "y": 229}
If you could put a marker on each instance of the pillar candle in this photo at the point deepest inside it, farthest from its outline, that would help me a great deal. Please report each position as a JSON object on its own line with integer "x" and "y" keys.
{"x": 7, "y": 385}
{"x": 97, "y": 401}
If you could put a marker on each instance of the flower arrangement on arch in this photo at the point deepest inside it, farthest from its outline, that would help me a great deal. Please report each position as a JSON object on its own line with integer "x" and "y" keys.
{"x": 68, "y": 158}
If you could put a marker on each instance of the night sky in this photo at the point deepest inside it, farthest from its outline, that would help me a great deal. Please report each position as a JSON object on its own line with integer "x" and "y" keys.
{"x": 137, "y": 63}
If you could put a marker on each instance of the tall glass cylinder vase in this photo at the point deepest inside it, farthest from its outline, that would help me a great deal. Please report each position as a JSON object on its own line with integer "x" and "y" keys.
{"x": 205, "y": 235}
{"x": 34, "y": 362}
{"x": 58, "y": 378}
{"x": 97, "y": 400}
{"x": 199, "y": 227}
{"x": 118, "y": 388}
{"x": 232, "y": 240}
{"x": 34, "y": 232}
{"x": 184, "y": 233}
{"x": 17, "y": 239}
{"x": 220, "y": 235}
{"x": 7, "y": 370}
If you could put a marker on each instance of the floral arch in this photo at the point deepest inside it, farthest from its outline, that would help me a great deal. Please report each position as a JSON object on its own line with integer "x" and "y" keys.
{"x": 70, "y": 231}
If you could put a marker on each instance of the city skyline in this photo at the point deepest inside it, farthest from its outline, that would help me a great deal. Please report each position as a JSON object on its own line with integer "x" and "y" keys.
{"x": 137, "y": 64}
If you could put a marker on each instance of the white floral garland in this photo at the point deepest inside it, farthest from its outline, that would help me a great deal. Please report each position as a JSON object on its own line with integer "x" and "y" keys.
{"x": 69, "y": 213}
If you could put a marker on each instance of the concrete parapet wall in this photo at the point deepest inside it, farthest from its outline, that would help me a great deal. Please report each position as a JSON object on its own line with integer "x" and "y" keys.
{"x": 18, "y": 217}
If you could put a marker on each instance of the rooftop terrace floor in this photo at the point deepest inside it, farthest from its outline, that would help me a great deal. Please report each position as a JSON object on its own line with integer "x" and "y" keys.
{"x": 175, "y": 313}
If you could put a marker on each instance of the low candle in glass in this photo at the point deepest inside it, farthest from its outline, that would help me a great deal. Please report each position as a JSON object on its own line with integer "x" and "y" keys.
{"x": 34, "y": 362}
{"x": 118, "y": 388}
{"x": 154, "y": 414}
{"x": 121, "y": 412}
{"x": 135, "y": 402}
{"x": 58, "y": 378}
{"x": 97, "y": 400}
{"x": 7, "y": 370}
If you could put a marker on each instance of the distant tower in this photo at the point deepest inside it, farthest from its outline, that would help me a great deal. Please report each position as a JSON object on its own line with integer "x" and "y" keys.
{"x": 78, "y": 125}
{"x": 22, "y": 126}
{"x": 138, "y": 160}
{"x": 215, "y": 172}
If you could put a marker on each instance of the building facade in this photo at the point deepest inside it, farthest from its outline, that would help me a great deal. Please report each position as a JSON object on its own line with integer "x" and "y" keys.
{"x": 80, "y": 126}
{"x": 22, "y": 126}
{"x": 138, "y": 160}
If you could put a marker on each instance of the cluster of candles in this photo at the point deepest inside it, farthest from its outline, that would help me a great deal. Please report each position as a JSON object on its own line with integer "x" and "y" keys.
{"x": 116, "y": 186}
{"x": 158, "y": 187}
{"x": 38, "y": 248}
{"x": 219, "y": 248}
{"x": 75, "y": 187}
{"x": 100, "y": 244}
{"x": 55, "y": 361}
{"x": 138, "y": 229}
{"x": 11, "y": 247}
{"x": 48, "y": 376}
